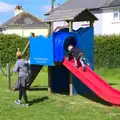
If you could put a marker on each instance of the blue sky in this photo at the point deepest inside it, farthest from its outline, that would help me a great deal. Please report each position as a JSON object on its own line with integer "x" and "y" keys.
{"x": 35, "y": 7}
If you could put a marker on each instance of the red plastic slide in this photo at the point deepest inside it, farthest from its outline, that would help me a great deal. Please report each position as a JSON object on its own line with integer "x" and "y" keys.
{"x": 94, "y": 82}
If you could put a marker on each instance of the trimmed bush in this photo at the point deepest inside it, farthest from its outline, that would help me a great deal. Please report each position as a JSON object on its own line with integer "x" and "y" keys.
{"x": 107, "y": 51}
{"x": 8, "y": 46}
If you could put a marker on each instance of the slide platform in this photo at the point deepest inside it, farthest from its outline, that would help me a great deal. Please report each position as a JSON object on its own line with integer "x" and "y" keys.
{"x": 94, "y": 82}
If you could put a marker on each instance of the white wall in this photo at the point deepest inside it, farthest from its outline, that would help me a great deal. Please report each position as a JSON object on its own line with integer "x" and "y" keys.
{"x": 109, "y": 25}
{"x": 58, "y": 24}
{"x": 98, "y": 27}
{"x": 105, "y": 24}
{"x": 77, "y": 25}
{"x": 97, "y": 24}
{"x": 43, "y": 32}
{"x": 26, "y": 32}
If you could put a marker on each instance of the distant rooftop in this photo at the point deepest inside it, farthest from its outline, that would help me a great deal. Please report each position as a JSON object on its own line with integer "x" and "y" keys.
{"x": 73, "y": 9}
{"x": 23, "y": 18}
{"x": 71, "y": 15}
{"x": 89, "y": 4}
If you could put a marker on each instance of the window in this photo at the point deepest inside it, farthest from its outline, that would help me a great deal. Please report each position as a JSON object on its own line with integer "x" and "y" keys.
{"x": 116, "y": 15}
{"x": 0, "y": 30}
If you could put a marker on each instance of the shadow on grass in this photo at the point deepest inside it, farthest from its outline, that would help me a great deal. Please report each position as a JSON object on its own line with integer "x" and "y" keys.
{"x": 112, "y": 83}
{"x": 81, "y": 89}
{"x": 35, "y": 101}
{"x": 93, "y": 97}
{"x": 38, "y": 88}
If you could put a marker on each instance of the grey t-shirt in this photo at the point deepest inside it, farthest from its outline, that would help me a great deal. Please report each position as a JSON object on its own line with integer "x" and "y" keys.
{"x": 22, "y": 67}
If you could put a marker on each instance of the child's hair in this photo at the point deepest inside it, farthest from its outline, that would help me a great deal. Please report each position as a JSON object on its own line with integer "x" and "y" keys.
{"x": 19, "y": 54}
{"x": 70, "y": 45}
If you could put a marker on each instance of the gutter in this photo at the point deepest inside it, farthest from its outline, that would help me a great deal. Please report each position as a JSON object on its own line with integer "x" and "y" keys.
{"x": 110, "y": 7}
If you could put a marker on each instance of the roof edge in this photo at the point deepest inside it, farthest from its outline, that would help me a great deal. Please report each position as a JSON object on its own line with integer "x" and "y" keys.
{"x": 49, "y": 12}
{"x": 5, "y": 24}
{"x": 109, "y": 7}
{"x": 106, "y": 7}
{"x": 84, "y": 11}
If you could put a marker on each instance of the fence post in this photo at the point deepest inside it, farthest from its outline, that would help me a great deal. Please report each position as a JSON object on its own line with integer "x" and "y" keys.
{"x": 26, "y": 48}
{"x": 0, "y": 60}
{"x": 8, "y": 76}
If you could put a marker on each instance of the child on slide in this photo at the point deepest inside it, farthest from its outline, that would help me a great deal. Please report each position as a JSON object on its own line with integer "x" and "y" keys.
{"x": 77, "y": 54}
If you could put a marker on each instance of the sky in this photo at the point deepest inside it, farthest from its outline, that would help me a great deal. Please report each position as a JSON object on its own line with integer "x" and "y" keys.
{"x": 35, "y": 7}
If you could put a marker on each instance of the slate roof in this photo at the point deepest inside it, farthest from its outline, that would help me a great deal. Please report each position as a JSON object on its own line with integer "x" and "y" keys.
{"x": 89, "y": 4}
{"x": 72, "y": 7}
{"x": 73, "y": 15}
{"x": 24, "y": 19}
{"x": 111, "y": 3}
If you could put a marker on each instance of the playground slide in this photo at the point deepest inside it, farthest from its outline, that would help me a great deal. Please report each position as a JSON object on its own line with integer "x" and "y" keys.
{"x": 94, "y": 82}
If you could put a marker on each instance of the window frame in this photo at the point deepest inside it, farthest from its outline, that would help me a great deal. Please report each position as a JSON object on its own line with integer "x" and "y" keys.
{"x": 116, "y": 11}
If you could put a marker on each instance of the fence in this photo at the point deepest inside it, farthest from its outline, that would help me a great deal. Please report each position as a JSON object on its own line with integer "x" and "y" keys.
{"x": 7, "y": 73}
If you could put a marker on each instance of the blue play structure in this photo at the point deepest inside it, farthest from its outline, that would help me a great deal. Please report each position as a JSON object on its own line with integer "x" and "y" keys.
{"x": 52, "y": 50}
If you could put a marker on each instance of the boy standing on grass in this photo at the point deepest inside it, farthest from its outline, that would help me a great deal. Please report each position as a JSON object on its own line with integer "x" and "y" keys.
{"x": 21, "y": 67}
{"x": 77, "y": 54}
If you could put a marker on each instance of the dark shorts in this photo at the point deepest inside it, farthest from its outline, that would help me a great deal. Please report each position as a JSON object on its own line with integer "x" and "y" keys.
{"x": 79, "y": 56}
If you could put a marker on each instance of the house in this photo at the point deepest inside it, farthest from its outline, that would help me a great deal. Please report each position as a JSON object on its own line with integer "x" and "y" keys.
{"x": 23, "y": 24}
{"x": 60, "y": 27}
{"x": 107, "y": 11}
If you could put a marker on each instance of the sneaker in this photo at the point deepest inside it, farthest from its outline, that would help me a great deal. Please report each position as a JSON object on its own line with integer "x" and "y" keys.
{"x": 26, "y": 105}
{"x": 18, "y": 102}
{"x": 88, "y": 64}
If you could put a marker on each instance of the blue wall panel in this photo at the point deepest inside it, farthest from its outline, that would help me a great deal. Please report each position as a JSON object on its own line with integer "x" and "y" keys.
{"x": 85, "y": 39}
{"x": 46, "y": 51}
{"x": 41, "y": 51}
{"x": 80, "y": 88}
{"x": 60, "y": 79}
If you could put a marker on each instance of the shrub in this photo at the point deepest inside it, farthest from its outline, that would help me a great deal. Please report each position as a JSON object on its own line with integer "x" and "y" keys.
{"x": 107, "y": 51}
{"x": 8, "y": 46}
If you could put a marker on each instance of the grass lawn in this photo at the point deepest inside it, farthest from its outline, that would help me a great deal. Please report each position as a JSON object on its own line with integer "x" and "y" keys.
{"x": 57, "y": 107}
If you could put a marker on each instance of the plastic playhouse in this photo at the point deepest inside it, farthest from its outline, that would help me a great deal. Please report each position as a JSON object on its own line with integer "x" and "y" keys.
{"x": 63, "y": 77}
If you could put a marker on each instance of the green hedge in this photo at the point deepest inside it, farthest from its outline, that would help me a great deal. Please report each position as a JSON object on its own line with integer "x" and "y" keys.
{"x": 8, "y": 46}
{"x": 107, "y": 51}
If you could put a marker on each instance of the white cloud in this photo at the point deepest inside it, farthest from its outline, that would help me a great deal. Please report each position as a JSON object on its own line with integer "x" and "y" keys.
{"x": 5, "y": 7}
{"x": 45, "y": 8}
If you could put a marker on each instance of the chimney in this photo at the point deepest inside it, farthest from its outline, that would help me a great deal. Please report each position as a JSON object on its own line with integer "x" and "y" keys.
{"x": 18, "y": 9}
